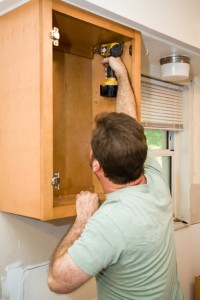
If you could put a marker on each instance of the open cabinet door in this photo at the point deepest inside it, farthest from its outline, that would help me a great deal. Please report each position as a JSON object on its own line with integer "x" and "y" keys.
{"x": 20, "y": 111}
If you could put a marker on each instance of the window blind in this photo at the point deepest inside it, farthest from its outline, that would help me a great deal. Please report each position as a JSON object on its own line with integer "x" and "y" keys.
{"x": 161, "y": 105}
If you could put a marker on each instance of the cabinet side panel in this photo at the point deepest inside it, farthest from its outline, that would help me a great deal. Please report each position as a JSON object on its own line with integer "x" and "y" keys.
{"x": 72, "y": 122}
{"x": 20, "y": 111}
{"x": 136, "y": 71}
{"x": 46, "y": 110}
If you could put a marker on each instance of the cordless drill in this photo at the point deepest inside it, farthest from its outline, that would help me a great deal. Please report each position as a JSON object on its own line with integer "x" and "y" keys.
{"x": 109, "y": 87}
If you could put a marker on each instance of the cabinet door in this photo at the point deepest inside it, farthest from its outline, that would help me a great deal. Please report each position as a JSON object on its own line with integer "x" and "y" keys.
{"x": 20, "y": 111}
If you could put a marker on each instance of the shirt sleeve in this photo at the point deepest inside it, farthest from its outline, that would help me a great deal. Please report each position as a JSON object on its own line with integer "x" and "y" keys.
{"x": 152, "y": 164}
{"x": 99, "y": 246}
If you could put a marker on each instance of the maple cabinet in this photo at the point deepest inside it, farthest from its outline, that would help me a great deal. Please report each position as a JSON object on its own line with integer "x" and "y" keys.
{"x": 49, "y": 96}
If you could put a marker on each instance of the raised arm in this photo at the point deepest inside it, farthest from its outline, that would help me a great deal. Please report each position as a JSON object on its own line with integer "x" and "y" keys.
{"x": 64, "y": 276}
{"x": 125, "y": 97}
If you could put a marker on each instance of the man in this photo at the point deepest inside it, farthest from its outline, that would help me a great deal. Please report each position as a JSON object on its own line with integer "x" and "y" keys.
{"x": 127, "y": 242}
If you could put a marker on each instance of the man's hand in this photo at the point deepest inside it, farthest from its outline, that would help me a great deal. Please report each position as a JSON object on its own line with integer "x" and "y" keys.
{"x": 86, "y": 205}
{"x": 116, "y": 65}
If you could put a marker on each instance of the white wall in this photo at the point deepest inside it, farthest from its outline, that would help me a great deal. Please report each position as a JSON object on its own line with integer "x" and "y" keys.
{"x": 188, "y": 258}
{"x": 27, "y": 245}
{"x": 27, "y": 242}
{"x": 178, "y": 19}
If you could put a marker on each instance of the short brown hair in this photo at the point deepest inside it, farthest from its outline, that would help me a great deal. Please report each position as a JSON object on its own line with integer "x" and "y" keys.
{"x": 119, "y": 144}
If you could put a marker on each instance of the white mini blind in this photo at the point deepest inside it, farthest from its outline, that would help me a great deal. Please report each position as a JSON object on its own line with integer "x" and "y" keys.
{"x": 161, "y": 105}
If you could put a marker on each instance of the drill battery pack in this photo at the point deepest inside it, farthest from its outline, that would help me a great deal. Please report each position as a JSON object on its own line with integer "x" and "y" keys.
{"x": 108, "y": 90}
{"x": 109, "y": 87}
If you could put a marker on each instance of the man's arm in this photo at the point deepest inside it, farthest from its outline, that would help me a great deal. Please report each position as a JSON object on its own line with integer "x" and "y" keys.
{"x": 64, "y": 276}
{"x": 125, "y": 97}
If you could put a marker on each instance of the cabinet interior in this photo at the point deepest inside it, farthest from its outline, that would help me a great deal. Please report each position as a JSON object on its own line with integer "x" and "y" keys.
{"x": 77, "y": 74}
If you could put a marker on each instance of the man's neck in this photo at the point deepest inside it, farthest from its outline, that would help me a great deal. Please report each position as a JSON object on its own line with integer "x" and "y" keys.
{"x": 110, "y": 187}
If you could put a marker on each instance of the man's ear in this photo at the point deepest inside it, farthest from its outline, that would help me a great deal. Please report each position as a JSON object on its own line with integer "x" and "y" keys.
{"x": 95, "y": 166}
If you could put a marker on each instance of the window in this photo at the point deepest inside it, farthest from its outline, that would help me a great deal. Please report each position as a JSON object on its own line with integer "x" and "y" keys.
{"x": 162, "y": 114}
{"x": 158, "y": 141}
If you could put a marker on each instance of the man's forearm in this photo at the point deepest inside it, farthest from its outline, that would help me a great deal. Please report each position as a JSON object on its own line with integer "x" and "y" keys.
{"x": 68, "y": 240}
{"x": 125, "y": 97}
{"x": 64, "y": 275}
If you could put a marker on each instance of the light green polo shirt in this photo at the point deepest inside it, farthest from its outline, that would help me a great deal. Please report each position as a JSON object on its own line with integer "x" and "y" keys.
{"x": 128, "y": 244}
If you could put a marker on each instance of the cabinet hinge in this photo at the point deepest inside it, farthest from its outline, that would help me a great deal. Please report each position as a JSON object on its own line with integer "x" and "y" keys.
{"x": 55, "y": 180}
{"x": 55, "y": 36}
{"x": 130, "y": 50}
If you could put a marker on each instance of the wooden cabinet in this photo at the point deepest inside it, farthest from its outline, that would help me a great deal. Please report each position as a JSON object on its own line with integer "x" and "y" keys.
{"x": 49, "y": 96}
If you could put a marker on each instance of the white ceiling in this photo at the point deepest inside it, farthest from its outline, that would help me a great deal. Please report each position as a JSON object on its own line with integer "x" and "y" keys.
{"x": 7, "y": 5}
{"x": 153, "y": 46}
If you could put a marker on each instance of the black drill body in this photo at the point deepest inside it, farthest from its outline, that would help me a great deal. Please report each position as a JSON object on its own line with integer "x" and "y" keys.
{"x": 109, "y": 87}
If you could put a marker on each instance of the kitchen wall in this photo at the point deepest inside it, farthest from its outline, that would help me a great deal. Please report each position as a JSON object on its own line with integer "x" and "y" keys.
{"x": 26, "y": 244}
{"x": 188, "y": 258}
{"x": 25, "y": 251}
{"x": 178, "y": 19}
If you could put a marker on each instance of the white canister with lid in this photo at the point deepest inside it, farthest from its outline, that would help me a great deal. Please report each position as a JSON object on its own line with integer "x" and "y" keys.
{"x": 175, "y": 67}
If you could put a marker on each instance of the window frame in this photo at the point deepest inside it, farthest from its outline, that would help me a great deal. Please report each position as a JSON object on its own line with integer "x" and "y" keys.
{"x": 180, "y": 164}
{"x": 173, "y": 154}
